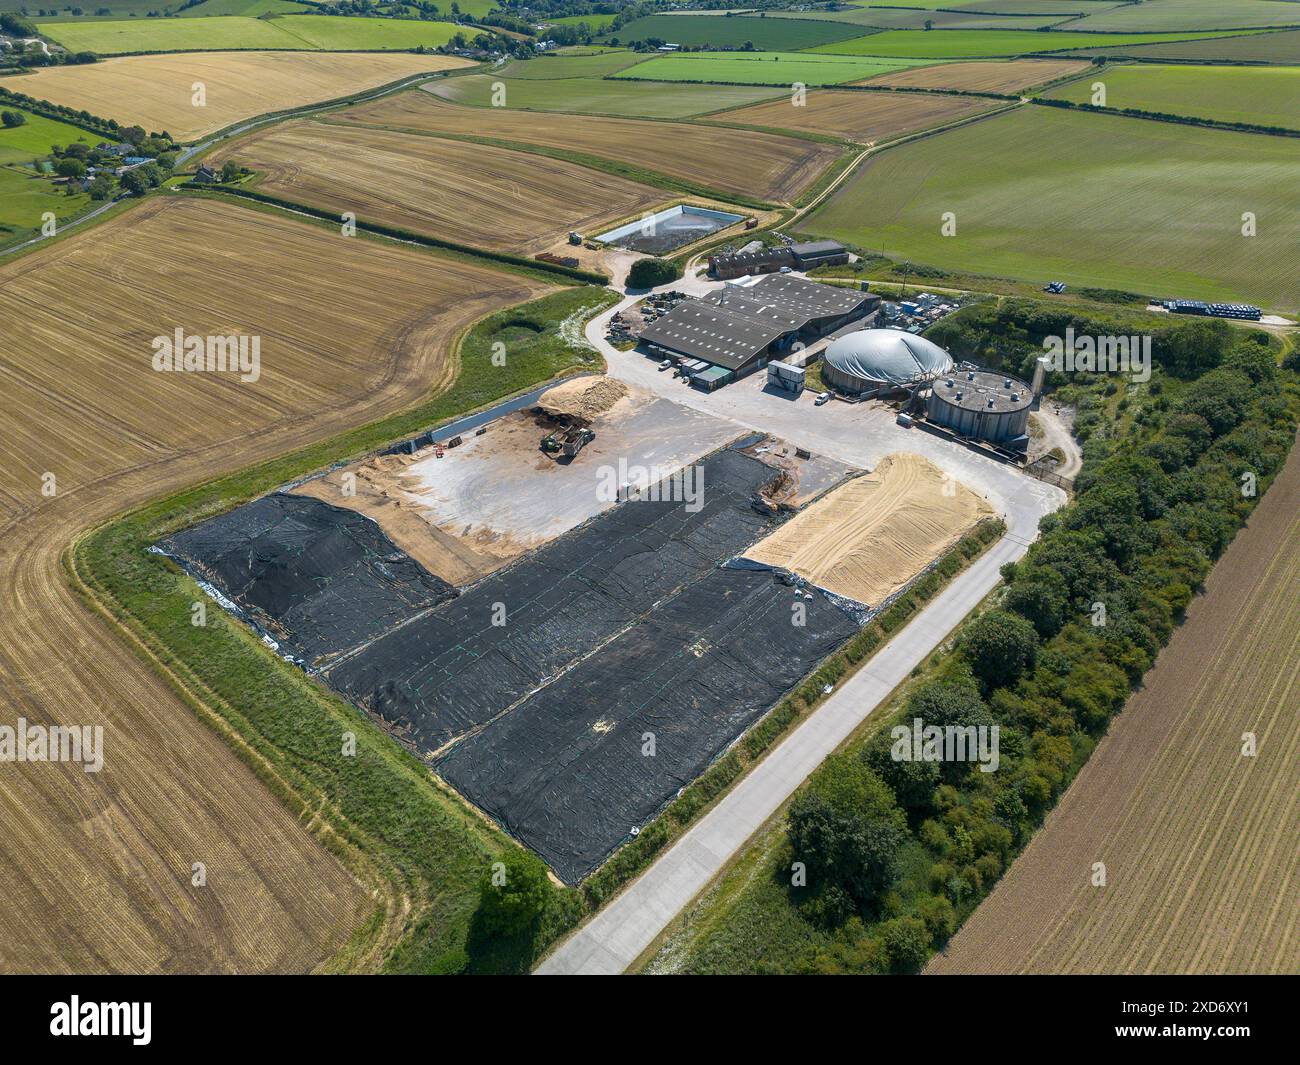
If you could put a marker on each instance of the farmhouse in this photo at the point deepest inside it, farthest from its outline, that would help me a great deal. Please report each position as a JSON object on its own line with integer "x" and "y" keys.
{"x": 733, "y": 331}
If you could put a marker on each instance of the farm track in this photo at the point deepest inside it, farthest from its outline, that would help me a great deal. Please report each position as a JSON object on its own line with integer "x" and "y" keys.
{"x": 95, "y": 868}
{"x": 1197, "y": 839}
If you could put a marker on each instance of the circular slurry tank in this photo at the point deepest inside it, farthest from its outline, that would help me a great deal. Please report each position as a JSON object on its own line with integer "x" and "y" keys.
{"x": 981, "y": 405}
{"x": 874, "y": 359}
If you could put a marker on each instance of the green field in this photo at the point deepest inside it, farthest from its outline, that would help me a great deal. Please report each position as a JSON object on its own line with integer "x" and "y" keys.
{"x": 1042, "y": 194}
{"x": 1193, "y": 15}
{"x": 972, "y": 44}
{"x": 306, "y": 32}
{"x": 343, "y": 34}
{"x": 764, "y": 68}
{"x": 601, "y": 96}
{"x": 561, "y": 65}
{"x": 912, "y": 18}
{"x": 1280, "y": 46}
{"x": 596, "y": 22}
{"x": 788, "y": 34}
{"x": 247, "y": 8}
{"x": 24, "y": 198}
{"x": 1262, "y": 96}
{"x": 37, "y": 136}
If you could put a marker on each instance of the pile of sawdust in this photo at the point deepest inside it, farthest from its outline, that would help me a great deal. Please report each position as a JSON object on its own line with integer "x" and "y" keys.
{"x": 868, "y": 538}
{"x": 583, "y": 397}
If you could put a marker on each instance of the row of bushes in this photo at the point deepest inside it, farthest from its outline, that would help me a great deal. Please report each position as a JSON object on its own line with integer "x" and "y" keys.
{"x": 104, "y": 127}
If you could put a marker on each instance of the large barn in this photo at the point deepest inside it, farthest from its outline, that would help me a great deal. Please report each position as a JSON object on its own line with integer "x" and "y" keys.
{"x": 736, "y": 329}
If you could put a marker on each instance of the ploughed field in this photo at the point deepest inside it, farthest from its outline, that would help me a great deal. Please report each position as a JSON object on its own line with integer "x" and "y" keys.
{"x": 1198, "y": 839}
{"x": 157, "y": 91}
{"x": 468, "y": 193}
{"x": 95, "y": 869}
{"x": 776, "y": 167}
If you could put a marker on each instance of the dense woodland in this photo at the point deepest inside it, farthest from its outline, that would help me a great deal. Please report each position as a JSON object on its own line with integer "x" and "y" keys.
{"x": 898, "y": 853}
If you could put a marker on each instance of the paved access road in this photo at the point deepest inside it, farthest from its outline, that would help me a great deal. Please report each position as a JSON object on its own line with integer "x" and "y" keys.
{"x": 859, "y": 434}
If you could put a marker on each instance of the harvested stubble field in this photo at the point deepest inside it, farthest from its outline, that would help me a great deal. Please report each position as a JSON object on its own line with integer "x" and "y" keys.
{"x": 156, "y": 91}
{"x": 776, "y": 168}
{"x": 1198, "y": 840}
{"x": 866, "y": 117}
{"x": 311, "y": 32}
{"x": 1009, "y": 76}
{"x": 601, "y": 96}
{"x": 869, "y": 537}
{"x": 473, "y": 194}
{"x": 763, "y": 68}
{"x": 95, "y": 869}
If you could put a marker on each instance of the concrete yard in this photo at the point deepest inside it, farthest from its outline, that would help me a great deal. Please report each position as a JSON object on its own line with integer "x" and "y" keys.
{"x": 499, "y": 495}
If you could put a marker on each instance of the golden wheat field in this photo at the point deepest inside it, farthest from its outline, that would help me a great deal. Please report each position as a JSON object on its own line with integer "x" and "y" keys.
{"x": 869, "y": 537}
{"x": 774, "y": 167}
{"x": 158, "y": 91}
{"x": 95, "y": 869}
{"x": 1010, "y": 75}
{"x": 1198, "y": 839}
{"x": 469, "y": 193}
{"x": 866, "y": 117}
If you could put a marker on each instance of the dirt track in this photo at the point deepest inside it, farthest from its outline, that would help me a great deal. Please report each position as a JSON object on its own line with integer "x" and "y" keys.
{"x": 95, "y": 868}
{"x": 1198, "y": 840}
{"x": 872, "y": 535}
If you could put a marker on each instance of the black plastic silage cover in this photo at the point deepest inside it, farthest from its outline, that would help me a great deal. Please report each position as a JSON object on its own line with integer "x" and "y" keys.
{"x": 628, "y": 627}
{"x": 454, "y": 669}
{"x": 574, "y": 768}
{"x": 318, "y": 578}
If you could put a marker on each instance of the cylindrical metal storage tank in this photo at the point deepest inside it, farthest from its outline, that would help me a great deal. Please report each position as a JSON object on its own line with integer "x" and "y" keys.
{"x": 874, "y": 359}
{"x": 982, "y": 405}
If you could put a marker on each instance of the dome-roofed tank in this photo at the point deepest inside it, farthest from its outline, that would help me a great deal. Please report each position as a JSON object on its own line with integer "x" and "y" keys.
{"x": 882, "y": 358}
